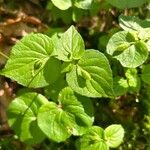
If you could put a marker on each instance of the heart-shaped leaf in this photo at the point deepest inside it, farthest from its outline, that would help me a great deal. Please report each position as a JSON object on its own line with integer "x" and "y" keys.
{"x": 114, "y": 135}
{"x": 22, "y": 114}
{"x": 58, "y": 122}
{"x": 128, "y": 49}
{"x": 91, "y": 76}
{"x": 30, "y": 62}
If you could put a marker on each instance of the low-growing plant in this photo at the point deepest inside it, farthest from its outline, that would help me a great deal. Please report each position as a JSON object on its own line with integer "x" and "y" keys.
{"x": 69, "y": 76}
{"x": 70, "y": 93}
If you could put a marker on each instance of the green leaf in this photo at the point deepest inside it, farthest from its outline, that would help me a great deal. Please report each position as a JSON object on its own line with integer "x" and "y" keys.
{"x": 91, "y": 76}
{"x": 71, "y": 45}
{"x": 120, "y": 86}
{"x": 86, "y": 4}
{"x": 58, "y": 122}
{"x": 146, "y": 74}
{"x": 130, "y": 56}
{"x": 126, "y": 3}
{"x": 55, "y": 123}
{"x": 31, "y": 63}
{"x": 62, "y": 4}
{"x": 92, "y": 140}
{"x": 22, "y": 116}
{"x": 133, "y": 80}
{"x": 114, "y": 135}
{"x": 76, "y": 106}
{"x": 130, "y": 23}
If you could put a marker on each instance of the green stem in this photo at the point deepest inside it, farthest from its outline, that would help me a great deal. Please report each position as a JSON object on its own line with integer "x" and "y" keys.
{"x": 5, "y": 56}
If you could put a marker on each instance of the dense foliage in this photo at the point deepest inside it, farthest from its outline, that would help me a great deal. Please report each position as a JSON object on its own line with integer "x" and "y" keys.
{"x": 81, "y": 86}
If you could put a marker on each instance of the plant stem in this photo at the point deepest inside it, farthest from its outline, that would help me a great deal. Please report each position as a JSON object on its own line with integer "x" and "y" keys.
{"x": 5, "y": 56}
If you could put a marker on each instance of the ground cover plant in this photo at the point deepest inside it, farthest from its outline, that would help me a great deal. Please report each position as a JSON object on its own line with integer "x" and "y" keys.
{"x": 75, "y": 74}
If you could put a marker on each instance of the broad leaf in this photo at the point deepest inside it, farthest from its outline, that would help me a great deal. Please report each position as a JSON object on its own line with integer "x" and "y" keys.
{"x": 55, "y": 123}
{"x": 62, "y": 4}
{"x": 22, "y": 114}
{"x": 126, "y": 47}
{"x": 146, "y": 74}
{"x": 126, "y": 3}
{"x": 91, "y": 76}
{"x": 58, "y": 122}
{"x": 92, "y": 140}
{"x": 114, "y": 135}
{"x": 31, "y": 63}
{"x": 133, "y": 23}
{"x": 76, "y": 106}
{"x": 86, "y": 4}
{"x": 71, "y": 45}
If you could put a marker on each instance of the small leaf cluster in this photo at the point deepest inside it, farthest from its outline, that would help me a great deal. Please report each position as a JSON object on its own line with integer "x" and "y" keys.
{"x": 98, "y": 138}
{"x": 131, "y": 46}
